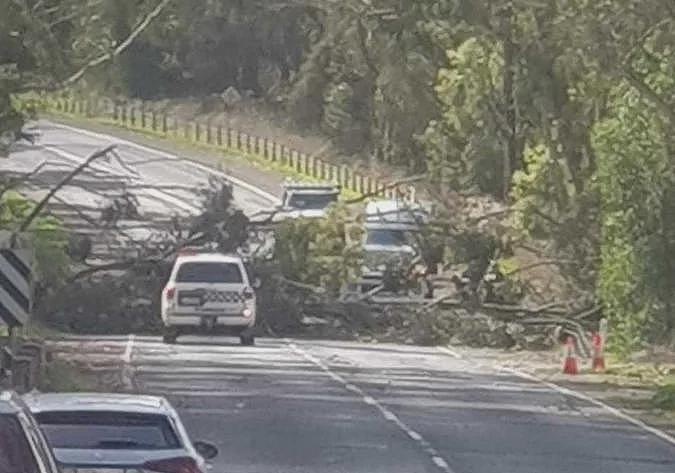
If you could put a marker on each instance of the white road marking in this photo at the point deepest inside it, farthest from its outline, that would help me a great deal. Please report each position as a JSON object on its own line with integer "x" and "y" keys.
{"x": 612, "y": 410}
{"x": 153, "y": 192}
{"x": 618, "y": 413}
{"x": 440, "y": 462}
{"x": 129, "y": 349}
{"x": 127, "y": 372}
{"x": 245, "y": 185}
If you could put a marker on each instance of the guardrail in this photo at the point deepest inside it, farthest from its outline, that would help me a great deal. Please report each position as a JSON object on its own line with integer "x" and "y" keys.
{"x": 21, "y": 363}
{"x": 228, "y": 139}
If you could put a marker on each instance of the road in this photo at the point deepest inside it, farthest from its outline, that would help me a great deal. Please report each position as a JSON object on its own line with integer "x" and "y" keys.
{"x": 291, "y": 406}
{"x": 164, "y": 184}
{"x": 288, "y": 406}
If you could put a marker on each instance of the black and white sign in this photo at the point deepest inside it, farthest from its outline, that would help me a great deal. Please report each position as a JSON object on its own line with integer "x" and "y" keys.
{"x": 15, "y": 286}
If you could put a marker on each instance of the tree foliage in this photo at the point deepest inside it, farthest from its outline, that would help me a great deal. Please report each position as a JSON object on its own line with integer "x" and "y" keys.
{"x": 46, "y": 236}
{"x": 562, "y": 109}
{"x": 323, "y": 253}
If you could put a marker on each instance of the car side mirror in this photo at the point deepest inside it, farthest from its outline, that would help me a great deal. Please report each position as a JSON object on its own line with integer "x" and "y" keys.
{"x": 206, "y": 450}
{"x": 256, "y": 283}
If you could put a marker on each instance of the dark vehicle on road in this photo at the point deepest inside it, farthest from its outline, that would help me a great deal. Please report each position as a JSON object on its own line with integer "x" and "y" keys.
{"x": 23, "y": 447}
{"x": 117, "y": 431}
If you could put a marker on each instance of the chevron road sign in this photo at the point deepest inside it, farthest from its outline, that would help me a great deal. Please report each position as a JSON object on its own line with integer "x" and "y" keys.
{"x": 16, "y": 295}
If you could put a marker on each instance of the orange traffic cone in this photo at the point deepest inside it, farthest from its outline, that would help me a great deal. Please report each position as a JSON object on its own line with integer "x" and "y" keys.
{"x": 570, "y": 365}
{"x": 598, "y": 355}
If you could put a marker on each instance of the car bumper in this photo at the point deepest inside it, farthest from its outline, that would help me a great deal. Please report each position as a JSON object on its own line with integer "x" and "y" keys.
{"x": 208, "y": 320}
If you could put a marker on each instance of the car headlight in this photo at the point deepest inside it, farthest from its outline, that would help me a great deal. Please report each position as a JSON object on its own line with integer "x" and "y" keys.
{"x": 247, "y": 312}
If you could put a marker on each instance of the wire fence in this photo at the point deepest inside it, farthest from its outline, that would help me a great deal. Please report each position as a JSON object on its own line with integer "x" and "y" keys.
{"x": 228, "y": 139}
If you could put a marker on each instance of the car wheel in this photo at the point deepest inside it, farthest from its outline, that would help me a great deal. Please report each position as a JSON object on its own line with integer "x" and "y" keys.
{"x": 247, "y": 339}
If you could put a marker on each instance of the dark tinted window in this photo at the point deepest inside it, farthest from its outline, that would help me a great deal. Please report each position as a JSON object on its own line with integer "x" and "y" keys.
{"x": 108, "y": 430}
{"x": 387, "y": 238}
{"x": 209, "y": 272}
{"x": 16, "y": 455}
{"x": 311, "y": 201}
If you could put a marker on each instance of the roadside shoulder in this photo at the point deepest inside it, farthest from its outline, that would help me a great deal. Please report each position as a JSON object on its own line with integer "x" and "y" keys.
{"x": 621, "y": 395}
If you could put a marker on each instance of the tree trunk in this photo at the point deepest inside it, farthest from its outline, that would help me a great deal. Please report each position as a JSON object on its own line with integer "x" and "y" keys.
{"x": 511, "y": 160}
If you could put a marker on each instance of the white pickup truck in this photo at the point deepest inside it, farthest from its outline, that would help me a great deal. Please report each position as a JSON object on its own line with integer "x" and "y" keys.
{"x": 306, "y": 200}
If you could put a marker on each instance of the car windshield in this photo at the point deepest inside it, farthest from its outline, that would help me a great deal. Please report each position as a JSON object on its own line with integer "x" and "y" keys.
{"x": 209, "y": 272}
{"x": 306, "y": 201}
{"x": 15, "y": 453}
{"x": 108, "y": 430}
{"x": 388, "y": 237}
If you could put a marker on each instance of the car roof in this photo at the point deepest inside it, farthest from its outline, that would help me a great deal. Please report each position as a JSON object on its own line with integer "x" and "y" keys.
{"x": 109, "y": 402}
{"x": 10, "y": 403}
{"x": 208, "y": 258}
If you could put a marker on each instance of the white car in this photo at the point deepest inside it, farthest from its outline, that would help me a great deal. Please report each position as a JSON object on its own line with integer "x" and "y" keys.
{"x": 118, "y": 433}
{"x": 306, "y": 200}
{"x": 209, "y": 293}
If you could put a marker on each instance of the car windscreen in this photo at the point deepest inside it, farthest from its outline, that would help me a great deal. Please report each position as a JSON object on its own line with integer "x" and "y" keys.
{"x": 387, "y": 237}
{"x": 311, "y": 201}
{"x": 16, "y": 455}
{"x": 209, "y": 272}
{"x": 108, "y": 430}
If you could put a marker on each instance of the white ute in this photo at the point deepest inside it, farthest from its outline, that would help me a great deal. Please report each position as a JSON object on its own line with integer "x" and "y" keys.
{"x": 209, "y": 293}
{"x": 306, "y": 200}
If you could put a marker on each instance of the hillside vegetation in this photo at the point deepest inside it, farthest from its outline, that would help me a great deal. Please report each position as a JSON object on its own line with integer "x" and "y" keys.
{"x": 564, "y": 109}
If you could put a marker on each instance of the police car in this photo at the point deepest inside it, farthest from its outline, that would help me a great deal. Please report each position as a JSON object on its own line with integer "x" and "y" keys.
{"x": 209, "y": 292}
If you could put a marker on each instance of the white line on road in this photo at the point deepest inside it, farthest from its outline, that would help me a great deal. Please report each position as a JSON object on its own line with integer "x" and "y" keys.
{"x": 572, "y": 393}
{"x": 127, "y": 372}
{"x": 161, "y": 195}
{"x": 612, "y": 410}
{"x": 439, "y": 461}
{"x": 238, "y": 182}
{"x": 128, "y": 351}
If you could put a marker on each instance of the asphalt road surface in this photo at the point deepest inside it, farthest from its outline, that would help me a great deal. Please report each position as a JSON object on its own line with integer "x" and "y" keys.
{"x": 328, "y": 407}
{"x": 290, "y": 406}
{"x": 164, "y": 184}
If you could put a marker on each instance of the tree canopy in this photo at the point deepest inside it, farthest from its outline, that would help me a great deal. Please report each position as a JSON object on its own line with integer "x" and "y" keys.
{"x": 563, "y": 109}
